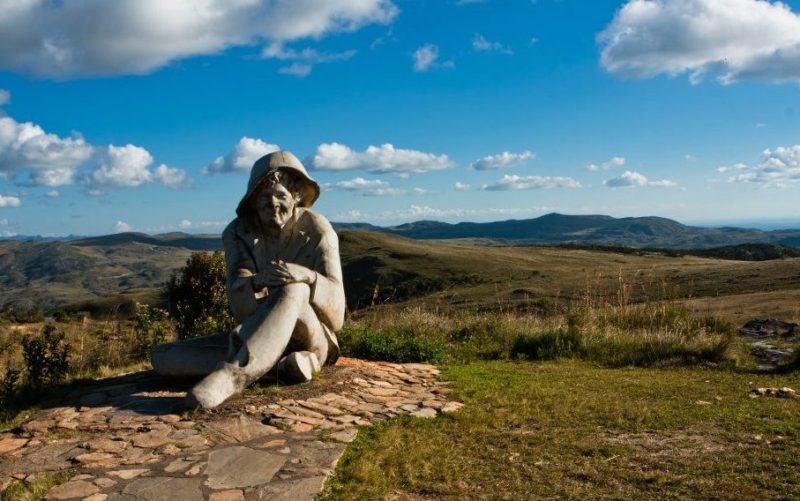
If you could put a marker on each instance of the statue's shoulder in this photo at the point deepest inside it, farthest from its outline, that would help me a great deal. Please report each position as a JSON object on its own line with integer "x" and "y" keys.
{"x": 315, "y": 222}
{"x": 235, "y": 228}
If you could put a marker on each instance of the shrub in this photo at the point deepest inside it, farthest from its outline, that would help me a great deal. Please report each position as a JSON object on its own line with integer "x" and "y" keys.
{"x": 46, "y": 358}
{"x": 198, "y": 301}
{"x": 150, "y": 328}
{"x": 8, "y": 387}
{"x": 389, "y": 345}
{"x": 547, "y": 345}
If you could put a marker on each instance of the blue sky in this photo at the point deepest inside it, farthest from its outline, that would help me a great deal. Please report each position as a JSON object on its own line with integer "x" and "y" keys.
{"x": 130, "y": 115}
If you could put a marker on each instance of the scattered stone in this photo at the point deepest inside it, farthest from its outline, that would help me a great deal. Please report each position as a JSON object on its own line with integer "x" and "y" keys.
{"x": 11, "y": 444}
{"x": 302, "y": 427}
{"x": 127, "y": 474}
{"x": 702, "y": 403}
{"x": 345, "y": 436}
{"x": 770, "y": 328}
{"x": 241, "y": 429}
{"x": 452, "y": 407}
{"x": 178, "y": 465}
{"x": 96, "y": 497}
{"x": 784, "y": 392}
{"x": 152, "y": 439}
{"x": 229, "y": 495}
{"x": 73, "y": 489}
{"x": 195, "y": 470}
{"x": 272, "y": 443}
{"x": 106, "y": 445}
{"x": 104, "y": 483}
{"x": 241, "y": 467}
{"x": 425, "y": 412}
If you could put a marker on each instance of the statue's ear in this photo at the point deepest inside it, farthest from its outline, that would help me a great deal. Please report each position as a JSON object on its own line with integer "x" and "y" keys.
{"x": 298, "y": 197}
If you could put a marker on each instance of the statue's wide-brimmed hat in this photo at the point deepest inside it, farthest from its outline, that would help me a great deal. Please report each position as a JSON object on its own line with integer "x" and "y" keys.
{"x": 279, "y": 160}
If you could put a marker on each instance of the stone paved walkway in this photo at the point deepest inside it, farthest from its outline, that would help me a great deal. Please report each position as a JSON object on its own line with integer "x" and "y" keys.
{"x": 127, "y": 438}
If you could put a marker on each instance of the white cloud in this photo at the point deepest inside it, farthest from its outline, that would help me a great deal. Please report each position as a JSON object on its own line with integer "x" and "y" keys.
{"x": 421, "y": 191}
{"x": 29, "y": 155}
{"x": 690, "y": 158}
{"x": 52, "y": 194}
{"x": 54, "y": 39}
{"x": 122, "y": 227}
{"x": 459, "y": 186}
{"x": 425, "y": 57}
{"x": 416, "y": 212}
{"x": 242, "y": 158}
{"x": 129, "y": 167}
{"x": 608, "y": 164}
{"x": 10, "y": 201}
{"x": 304, "y": 60}
{"x": 727, "y": 39}
{"x": 185, "y": 224}
{"x": 366, "y": 187}
{"x": 729, "y": 168}
{"x": 779, "y": 168}
{"x": 377, "y": 159}
{"x": 3, "y": 222}
{"x": 25, "y": 148}
{"x": 481, "y": 44}
{"x": 633, "y": 178}
{"x": 515, "y": 183}
{"x": 501, "y": 160}
{"x": 5, "y": 97}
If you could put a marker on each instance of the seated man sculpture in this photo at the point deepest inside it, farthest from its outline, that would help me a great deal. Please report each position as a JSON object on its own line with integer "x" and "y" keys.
{"x": 284, "y": 282}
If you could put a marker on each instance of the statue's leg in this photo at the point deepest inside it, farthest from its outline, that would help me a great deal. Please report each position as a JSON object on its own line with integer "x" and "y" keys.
{"x": 264, "y": 335}
{"x": 194, "y": 357}
{"x": 307, "y": 350}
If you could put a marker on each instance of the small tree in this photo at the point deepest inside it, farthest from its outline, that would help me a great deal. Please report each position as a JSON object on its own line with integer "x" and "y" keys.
{"x": 46, "y": 357}
{"x": 150, "y": 328}
{"x": 198, "y": 300}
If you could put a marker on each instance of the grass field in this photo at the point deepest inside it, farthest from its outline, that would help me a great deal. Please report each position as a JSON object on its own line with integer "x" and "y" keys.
{"x": 573, "y": 430}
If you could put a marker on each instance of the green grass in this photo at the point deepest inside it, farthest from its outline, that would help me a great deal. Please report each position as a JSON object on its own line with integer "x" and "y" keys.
{"x": 570, "y": 429}
{"x": 36, "y": 489}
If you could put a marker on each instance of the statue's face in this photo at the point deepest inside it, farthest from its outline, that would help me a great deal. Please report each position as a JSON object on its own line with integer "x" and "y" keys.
{"x": 275, "y": 205}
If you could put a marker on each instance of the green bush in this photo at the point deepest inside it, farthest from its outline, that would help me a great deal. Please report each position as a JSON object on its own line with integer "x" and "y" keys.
{"x": 150, "y": 328}
{"x": 8, "y": 387}
{"x": 197, "y": 296}
{"x": 547, "y": 345}
{"x": 389, "y": 345}
{"x": 46, "y": 358}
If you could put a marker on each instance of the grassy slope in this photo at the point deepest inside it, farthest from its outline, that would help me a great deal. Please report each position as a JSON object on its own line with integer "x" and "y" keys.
{"x": 571, "y": 430}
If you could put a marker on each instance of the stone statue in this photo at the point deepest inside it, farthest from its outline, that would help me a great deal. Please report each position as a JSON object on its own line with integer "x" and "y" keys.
{"x": 284, "y": 285}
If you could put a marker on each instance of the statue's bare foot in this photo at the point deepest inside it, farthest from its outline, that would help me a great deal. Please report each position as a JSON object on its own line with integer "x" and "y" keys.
{"x": 299, "y": 366}
{"x": 217, "y": 387}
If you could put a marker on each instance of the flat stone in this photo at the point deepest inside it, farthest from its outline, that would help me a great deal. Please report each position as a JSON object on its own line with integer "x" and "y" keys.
{"x": 229, "y": 495}
{"x": 272, "y": 443}
{"x": 241, "y": 467}
{"x": 345, "y": 436}
{"x": 104, "y": 483}
{"x": 452, "y": 407}
{"x": 165, "y": 489}
{"x": 302, "y": 427}
{"x": 425, "y": 412}
{"x": 11, "y": 444}
{"x": 106, "y": 445}
{"x": 38, "y": 425}
{"x": 292, "y": 490}
{"x": 178, "y": 465}
{"x": 152, "y": 439}
{"x": 73, "y": 489}
{"x": 96, "y": 497}
{"x": 195, "y": 470}
{"x": 323, "y": 408}
{"x": 127, "y": 474}
{"x": 241, "y": 429}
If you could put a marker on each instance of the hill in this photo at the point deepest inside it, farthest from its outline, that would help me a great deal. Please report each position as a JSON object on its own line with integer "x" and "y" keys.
{"x": 642, "y": 232}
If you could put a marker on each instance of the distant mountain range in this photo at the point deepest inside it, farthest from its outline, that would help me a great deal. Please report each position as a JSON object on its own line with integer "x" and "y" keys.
{"x": 640, "y": 232}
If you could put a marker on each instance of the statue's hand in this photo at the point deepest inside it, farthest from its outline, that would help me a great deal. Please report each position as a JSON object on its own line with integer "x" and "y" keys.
{"x": 282, "y": 273}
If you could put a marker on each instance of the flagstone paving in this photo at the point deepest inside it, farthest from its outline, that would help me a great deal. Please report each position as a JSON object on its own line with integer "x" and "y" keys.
{"x": 129, "y": 437}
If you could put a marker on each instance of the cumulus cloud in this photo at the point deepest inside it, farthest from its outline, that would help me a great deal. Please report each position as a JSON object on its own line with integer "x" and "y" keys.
{"x": 608, "y": 164}
{"x": 727, "y": 39}
{"x": 501, "y": 160}
{"x": 730, "y": 168}
{"x": 185, "y": 224}
{"x": 10, "y": 201}
{"x": 54, "y": 39}
{"x": 46, "y": 159}
{"x": 121, "y": 227}
{"x": 633, "y": 178}
{"x": 5, "y": 97}
{"x": 377, "y": 159}
{"x": 242, "y": 158}
{"x": 304, "y": 60}
{"x": 427, "y": 212}
{"x": 129, "y": 167}
{"x": 426, "y": 57}
{"x": 31, "y": 156}
{"x": 52, "y": 194}
{"x": 4, "y": 222}
{"x": 459, "y": 186}
{"x": 515, "y": 183}
{"x": 366, "y": 187}
{"x": 481, "y": 44}
{"x": 779, "y": 168}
